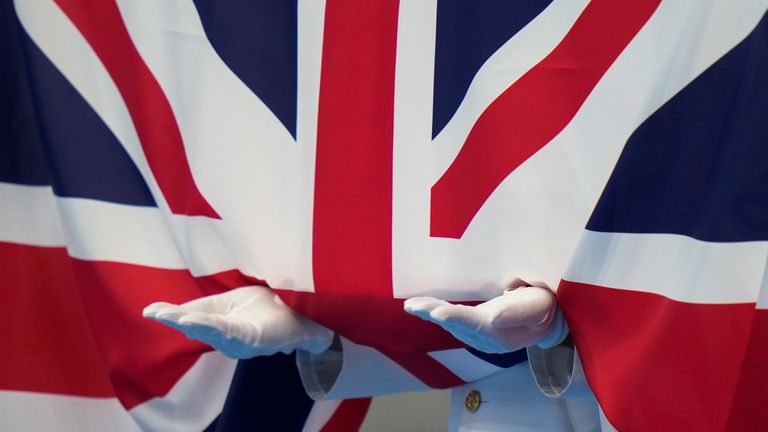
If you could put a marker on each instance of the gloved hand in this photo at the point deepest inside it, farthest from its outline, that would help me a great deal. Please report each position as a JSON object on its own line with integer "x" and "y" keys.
{"x": 518, "y": 318}
{"x": 243, "y": 323}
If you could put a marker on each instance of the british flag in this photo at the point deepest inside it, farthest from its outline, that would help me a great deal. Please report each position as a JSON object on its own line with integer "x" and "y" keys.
{"x": 85, "y": 246}
{"x": 352, "y": 154}
{"x": 667, "y": 292}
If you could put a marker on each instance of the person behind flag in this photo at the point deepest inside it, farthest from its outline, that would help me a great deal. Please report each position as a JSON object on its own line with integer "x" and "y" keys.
{"x": 252, "y": 321}
{"x": 527, "y": 315}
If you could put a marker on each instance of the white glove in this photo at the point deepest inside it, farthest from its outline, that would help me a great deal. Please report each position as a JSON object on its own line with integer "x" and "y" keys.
{"x": 516, "y": 319}
{"x": 243, "y": 323}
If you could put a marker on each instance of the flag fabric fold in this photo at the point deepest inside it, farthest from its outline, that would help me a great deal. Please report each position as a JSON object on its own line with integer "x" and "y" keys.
{"x": 353, "y": 154}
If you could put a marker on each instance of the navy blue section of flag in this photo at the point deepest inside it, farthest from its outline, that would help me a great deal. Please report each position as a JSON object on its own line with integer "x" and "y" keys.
{"x": 266, "y": 394}
{"x": 468, "y": 33}
{"x": 72, "y": 146}
{"x": 21, "y": 158}
{"x": 501, "y": 360}
{"x": 698, "y": 168}
{"x": 699, "y": 165}
{"x": 258, "y": 41}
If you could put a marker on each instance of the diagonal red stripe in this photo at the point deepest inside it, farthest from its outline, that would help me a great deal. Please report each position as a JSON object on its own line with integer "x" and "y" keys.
{"x": 349, "y": 416}
{"x": 381, "y": 323}
{"x": 99, "y": 21}
{"x": 659, "y": 364}
{"x": 74, "y": 327}
{"x": 532, "y": 111}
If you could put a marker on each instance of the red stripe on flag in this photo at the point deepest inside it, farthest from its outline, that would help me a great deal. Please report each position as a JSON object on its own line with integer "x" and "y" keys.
{"x": 349, "y": 416}
{"x": 74, "y": 327}
{"x": 46, "y": 341}
{"x": 531, "y": 112}
{"x": 99, "y": 21}
{"x": 659, "y": 364}
{"x": 382, "y": 324}
{"x": 218, "y": 283}
{"x": 353, "y": 175}
{"x": 352, "y": 231}
{"x": 748, "y": 411}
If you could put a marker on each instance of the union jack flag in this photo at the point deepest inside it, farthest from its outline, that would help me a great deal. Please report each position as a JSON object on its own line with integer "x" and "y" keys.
{"x": 84, "y": 245}
{"x": 352, "y": 154}
{"x": 667, "y": 292}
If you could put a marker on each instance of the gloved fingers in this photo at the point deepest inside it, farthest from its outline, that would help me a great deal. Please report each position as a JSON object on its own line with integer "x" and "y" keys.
{"x": 151, "y": 310}
{"x": 448, "y": 315}
{"x": 210, "y": 335}
{"x": 204, "y": 320}
{"x": 175, "y": 325}
{"x": 239, "y": 349}
{"x": 422, "y": 307}
{"x": 225, "y": 302}
{"x": 221, "y": 335}
{"x": 470, "y": 324}
{"x": 173, "y": 311}
{"x": 202, "y": 333}
{"x": 474, "y": 332}
{"x": 523, "y": 307}
{"x": 243, "y": 323}
{"x": 457, "y": 316}
{"x": 227, "y": 326}
{"x": 170, "y": 313}
{"x": 177, "y": 317}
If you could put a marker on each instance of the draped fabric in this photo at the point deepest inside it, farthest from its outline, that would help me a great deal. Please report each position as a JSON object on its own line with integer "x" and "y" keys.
{"x": 352, "y": 154}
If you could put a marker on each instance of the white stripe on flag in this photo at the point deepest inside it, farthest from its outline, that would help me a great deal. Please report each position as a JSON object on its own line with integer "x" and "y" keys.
{"x": 26, "y": 411}
{"x": 605, "y": 425}
{"x": 66, "y": 48}
{"x": 29, "y": 216}
{"x": 194, "y": 401}
{"x": 103, "y": 231}
{"x": 243, "y": 160}
{"x": 762, "y": 299}
{"x": 423, "y": 264}
{"x": 532, "y": 220}
{"x": 192, "y": 404}
{"x": 321, "y": 412}
{"x": 466, "y": 366}
{"x": 674, "y": 266}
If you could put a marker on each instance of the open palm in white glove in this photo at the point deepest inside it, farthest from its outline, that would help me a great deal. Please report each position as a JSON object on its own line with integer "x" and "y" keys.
{"x": 518, "y": 318}
{"x": 243, "y": 323}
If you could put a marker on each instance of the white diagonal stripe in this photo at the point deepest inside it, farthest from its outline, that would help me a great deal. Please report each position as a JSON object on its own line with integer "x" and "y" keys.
{"x": 464, "y": 364}
{"x": 194, "y": 401}
{"x": 531, "y": 224}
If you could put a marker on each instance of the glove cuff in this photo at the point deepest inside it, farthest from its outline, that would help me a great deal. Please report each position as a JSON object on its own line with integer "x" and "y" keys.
{"x": 557, "y": 333}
